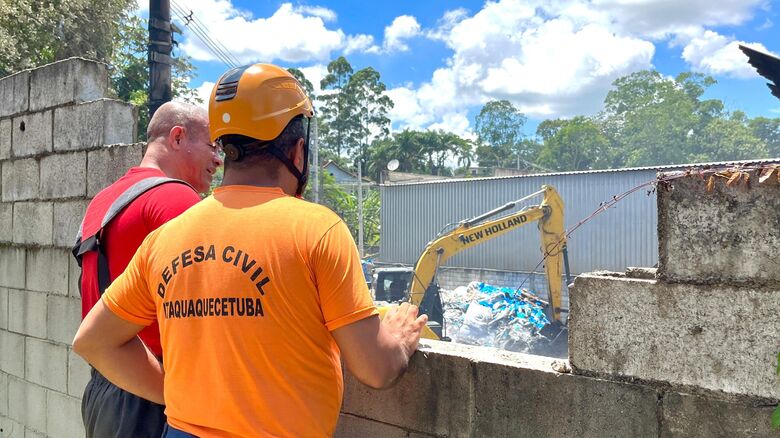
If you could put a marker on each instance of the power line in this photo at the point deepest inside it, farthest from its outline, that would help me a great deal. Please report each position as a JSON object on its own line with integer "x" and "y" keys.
{"x": 195, "y": 22}
{"x": 201, "y": 32}
{"x": 210, "y": 46}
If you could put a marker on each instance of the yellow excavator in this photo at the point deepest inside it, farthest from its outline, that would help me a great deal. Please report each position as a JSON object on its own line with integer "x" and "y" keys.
{"x": 419, "y": 287}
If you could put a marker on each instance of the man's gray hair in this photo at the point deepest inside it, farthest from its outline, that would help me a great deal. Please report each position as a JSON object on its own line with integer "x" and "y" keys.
{"x": 172, "y": 114}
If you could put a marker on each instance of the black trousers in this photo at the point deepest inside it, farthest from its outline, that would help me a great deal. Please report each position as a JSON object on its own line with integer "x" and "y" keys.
{"x": 111, "y": 412}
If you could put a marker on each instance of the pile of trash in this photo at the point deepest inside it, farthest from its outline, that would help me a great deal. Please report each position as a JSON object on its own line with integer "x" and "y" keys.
{"x": 500, "y": 317}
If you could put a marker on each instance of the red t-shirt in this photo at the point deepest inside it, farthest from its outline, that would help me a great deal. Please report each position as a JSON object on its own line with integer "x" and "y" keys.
{"x": 127, "y": 230}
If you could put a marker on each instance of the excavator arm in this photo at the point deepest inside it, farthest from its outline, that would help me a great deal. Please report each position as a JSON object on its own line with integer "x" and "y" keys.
{"x": 479, "y": 229}
{"x": 474, "y": 231}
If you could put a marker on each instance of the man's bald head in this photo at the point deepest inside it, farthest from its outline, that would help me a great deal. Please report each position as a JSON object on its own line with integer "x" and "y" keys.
{"x": 172, "y": 114}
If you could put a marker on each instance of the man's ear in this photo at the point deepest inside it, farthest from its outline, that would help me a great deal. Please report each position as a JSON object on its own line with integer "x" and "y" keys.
{"x": 297, "y": 155}
{"x": 176, "y": 137}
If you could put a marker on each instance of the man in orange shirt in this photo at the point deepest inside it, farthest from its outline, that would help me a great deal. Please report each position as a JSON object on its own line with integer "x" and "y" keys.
{"x": 259, "y": 295}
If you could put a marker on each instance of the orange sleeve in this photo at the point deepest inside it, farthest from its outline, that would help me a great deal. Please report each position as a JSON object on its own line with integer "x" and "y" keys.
{"x": 129, "y": 296}
{"x": 344, "y": 296}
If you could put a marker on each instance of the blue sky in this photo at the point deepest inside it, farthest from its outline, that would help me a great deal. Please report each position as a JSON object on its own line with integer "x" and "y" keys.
{"x": 442, "y": 60}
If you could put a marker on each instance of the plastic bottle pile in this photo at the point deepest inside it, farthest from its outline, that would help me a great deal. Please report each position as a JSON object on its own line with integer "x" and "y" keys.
{"x": 486, "y": 315}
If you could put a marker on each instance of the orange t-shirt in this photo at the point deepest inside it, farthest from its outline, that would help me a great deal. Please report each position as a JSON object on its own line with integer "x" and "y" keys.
{"x": 247, "y": 286}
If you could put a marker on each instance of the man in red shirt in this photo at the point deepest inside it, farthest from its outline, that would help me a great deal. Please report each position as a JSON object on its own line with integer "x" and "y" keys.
{"x": 178, "y": 147}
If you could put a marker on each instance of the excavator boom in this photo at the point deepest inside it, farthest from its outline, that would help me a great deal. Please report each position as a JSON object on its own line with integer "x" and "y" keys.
{"x": 477, "y": 230}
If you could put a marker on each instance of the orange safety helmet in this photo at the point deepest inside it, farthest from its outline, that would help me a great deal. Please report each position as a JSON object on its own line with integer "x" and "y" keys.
{"x": 256, "y": 101}
{"x": 259, "y": 101}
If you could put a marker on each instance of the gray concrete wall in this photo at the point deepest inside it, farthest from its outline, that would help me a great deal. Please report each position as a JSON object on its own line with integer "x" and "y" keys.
{"x": 729, "y": 235}
{"x": 462, "y": 391}
{"x": 54, "y": 124}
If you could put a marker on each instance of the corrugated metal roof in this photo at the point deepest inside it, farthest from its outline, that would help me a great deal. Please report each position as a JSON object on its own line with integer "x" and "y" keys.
{"x": 585, "y": 172}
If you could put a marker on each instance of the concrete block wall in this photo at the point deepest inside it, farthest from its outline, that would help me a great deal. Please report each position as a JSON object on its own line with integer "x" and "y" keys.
{"x": 55, "y": 123}
{"x": 710, "y": 318}
{"x": 462, "y": 391}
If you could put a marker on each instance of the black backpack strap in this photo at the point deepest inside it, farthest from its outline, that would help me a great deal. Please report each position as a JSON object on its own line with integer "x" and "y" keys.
{"x": 93, "y": 242}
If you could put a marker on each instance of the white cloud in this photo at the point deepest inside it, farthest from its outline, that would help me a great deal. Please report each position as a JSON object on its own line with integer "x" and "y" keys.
{"x": 203, "y": 91}
{"x": 317, "y": 11}
{"x": 558, "y": 58}
{"x": 314, "y": 74}
{"x": 402, "y": 28}
{"x": 291, "y": 34}
{"x": 360, "y": 43}
{"x": 716, "y": 54}
{"x": 446, "y": 23}
{"x": 659, "y": 18}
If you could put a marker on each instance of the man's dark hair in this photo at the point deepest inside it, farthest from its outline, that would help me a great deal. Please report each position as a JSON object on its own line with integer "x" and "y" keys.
{"x": 258, "y": 153}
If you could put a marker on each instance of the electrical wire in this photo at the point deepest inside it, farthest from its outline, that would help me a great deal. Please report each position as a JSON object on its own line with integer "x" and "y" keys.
{"x": 210, "y": 46}
{"x": 195, "y": 23}
{"x": 201, "y": 32}
{"x": 604, "y": 206}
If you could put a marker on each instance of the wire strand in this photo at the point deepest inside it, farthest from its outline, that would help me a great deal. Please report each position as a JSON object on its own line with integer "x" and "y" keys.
{"x": 201, "y": 32}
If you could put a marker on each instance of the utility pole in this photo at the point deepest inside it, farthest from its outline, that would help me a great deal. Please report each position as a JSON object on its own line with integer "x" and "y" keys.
{"x": 314, "y": 141}
{"x": 360, "y": 200}
{"x": 160, "y": 47}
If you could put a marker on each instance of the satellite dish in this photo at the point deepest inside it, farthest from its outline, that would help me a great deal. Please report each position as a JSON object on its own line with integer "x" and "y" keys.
{"x": 393, "y": 164}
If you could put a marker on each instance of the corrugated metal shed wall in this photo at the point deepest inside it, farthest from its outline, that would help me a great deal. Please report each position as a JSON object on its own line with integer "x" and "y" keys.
{"x": 623, "y": 236}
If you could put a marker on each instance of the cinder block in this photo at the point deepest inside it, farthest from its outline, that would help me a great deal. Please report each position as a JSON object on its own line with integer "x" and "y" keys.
{"x": 686, "y": 415}
{"x": 728, "y": 235}
{"x": 67, "y": 219}
{"x": 47, "y": 270}
{"x": 106, "y": 165}
{"x": 33, "y": 223}
{"x": 46, "y": 364}
{"x": 10, "y": 428}
{"x": 68, "y": 81}
{"x": 3, "y": 395}
{"x": 6, "y": 221}
{"x": 31, "y": 134}
{"x": 518, "y": 401}
{"x": 94, "y": 124}
{"x": 12, "y": 353}
{"x": 20, "y": 179}
{"x": 722, "y": 338}
{"x": 30, "y": 433}
{"x": 350, "y": 426}
{"x": 12, "y": 266}
{"x": 64, "y": 317}
{"x": 416, "y": 401}
{"x": 5, "y": 138}
{"x": 64, "y": 175}
{"x": 3, "y": 308}
{"x": 27, "y": 313}
{"x": 74, "y": 278}
{"x": 15, "y": 93}
{"x": 63, "y": 415}
{"x": 78, "y": 374}
{"x": 29, "y": 404}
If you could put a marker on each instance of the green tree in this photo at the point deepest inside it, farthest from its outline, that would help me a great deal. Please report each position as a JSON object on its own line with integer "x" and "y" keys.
{"x": 367, "y": 91}
{"x": 768, "y": 130}
{"x": 305, "y": 83}
{"x": 129, "y": 70}
{"x": 499, "y": 129}
{"x": 576, "y": 144}
{"x": 652, "y": 119}
{"x": 727, "y": 139}
{"x": 423, "y": 152}
{"x": 36, "y": 32}
{"x": 33, "y": 33}
{"x": 338, "y": 109}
